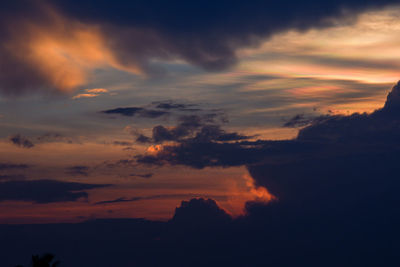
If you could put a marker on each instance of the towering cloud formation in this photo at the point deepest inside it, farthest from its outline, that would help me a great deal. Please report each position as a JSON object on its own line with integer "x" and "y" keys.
{"x": 335, "y": 160}
{"x": 52, "y": 45}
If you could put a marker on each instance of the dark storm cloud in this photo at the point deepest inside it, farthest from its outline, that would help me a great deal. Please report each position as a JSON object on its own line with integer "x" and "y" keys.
{"x": 45, "y": 191}
{"x": 21, "y": 141}
{"x": 205, "y": 34}
{"x": 201, "y": 230}
{"x": 78, "y": 170}
{"x": 337, "y": 187}
{"x": 326, "y": 136}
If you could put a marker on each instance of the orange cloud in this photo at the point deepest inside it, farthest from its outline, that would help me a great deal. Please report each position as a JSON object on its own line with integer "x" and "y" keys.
{"x": 260, "y": 193}
{"x": 90, "y": 93}
{"x": 60, "y": 54}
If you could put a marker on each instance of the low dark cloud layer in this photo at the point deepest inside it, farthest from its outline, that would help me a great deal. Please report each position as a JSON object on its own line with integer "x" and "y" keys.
{"x": 45, "y": 191}
{"x": 10, "y": 177}
{"x": 203, "y": 234}
{"x": 165, "y": 196}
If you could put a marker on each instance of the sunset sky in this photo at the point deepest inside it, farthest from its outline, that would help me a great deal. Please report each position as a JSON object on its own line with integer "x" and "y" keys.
{"x": 118, "y": 109}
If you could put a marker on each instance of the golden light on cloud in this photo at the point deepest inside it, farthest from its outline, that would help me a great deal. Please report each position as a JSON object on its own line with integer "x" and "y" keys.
{"x": 97, "y": 90}
{"x": 365, "y": 52}
{"x": 63, "y": 52}
{"x": 84, "y": 96}
{"x": 260, "y": 193}
{"x": 90, "y": 93}
{"x": 154, "y": 149}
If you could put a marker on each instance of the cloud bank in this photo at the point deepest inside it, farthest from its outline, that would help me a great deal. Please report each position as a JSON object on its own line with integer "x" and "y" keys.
{"x": 54, "y": 45}
{"x": 44, "y": 191}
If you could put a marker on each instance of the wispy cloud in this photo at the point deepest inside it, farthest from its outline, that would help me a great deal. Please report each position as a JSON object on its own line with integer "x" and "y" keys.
{"x": 90, "y": 93}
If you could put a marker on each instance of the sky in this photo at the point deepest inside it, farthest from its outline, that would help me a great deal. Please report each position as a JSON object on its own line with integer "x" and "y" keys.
{"x": 167, "y": 110}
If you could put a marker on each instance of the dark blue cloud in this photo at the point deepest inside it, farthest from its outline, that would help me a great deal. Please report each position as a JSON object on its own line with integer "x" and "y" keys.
{"x": 45, "y": 191}
{"x": 137, "y": 111}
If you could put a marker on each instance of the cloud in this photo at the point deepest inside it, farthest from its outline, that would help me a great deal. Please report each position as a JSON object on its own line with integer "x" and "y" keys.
{"x": 300, "y": 120}
{"x": 357, "y": 133}
{"x": 30, "y": 142}
{"x": 229, "y": 26}
{"x": 84, "y": 96}
{"x": 45, "y": 191}
{"x": 200, "y": 212}
{"x": 136, "y": 111}
{"x": 170, "y": 104}
{"x": 12, "y": 177}
{"x": 53, "y": 137}
{"x": 165, "y": 196}
{"x": 122, "y": 143}
{"x": 336, "y": 186}
{"x": 90, "y": 93}
{"x": 78, "y": 170}
{"x": 146, "y": 175}
{"x": 129, "y": 36}
{"x": 21, "y": 141}
{"x": 191, "y": 128}
{"x": 201, "y": 230}
{"x": 13, "y": 166}
{"x": 96, "y": 90}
